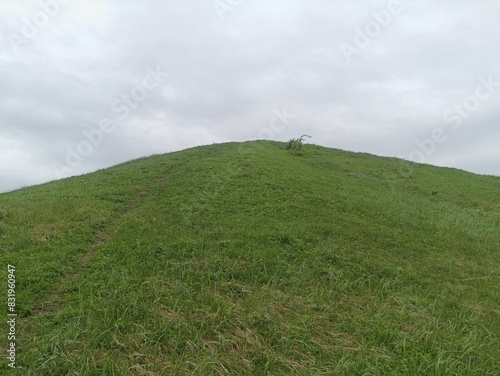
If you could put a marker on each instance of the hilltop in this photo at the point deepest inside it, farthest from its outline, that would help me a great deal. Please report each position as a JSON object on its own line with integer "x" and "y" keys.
{"x": 242, "y": 258}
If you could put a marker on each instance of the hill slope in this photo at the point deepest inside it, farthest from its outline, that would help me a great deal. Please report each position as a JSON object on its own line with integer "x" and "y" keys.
{"x": 246, "y": 259}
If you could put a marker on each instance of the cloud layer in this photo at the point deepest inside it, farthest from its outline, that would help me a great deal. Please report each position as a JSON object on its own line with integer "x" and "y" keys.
{"x": 86, "y": 85}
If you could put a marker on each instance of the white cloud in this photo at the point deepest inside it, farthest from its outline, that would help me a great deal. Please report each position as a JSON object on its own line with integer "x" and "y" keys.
{"x": 229, "y": 76}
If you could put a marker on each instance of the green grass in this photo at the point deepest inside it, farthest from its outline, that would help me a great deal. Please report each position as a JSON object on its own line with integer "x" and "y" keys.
{"x": 244, "y": 259}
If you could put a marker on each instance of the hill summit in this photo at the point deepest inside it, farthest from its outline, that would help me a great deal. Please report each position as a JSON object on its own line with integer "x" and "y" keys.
{"x": 244, "y": 258}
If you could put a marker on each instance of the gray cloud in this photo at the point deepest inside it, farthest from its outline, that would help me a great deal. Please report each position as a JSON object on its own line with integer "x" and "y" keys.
{"x": 228, "y": 77}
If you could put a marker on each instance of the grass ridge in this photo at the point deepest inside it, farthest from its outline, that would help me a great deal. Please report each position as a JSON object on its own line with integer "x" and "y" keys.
{"x": 242, "y": 258}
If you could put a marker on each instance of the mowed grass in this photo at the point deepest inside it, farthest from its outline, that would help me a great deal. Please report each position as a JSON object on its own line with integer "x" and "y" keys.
{"x": 244, "y": 259}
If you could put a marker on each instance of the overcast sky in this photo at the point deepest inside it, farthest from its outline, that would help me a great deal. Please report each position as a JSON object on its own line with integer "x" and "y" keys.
{"x": 88, "y": 84}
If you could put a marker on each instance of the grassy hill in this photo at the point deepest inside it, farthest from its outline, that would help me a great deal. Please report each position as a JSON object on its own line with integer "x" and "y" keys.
{"x": 244, "y": 259}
